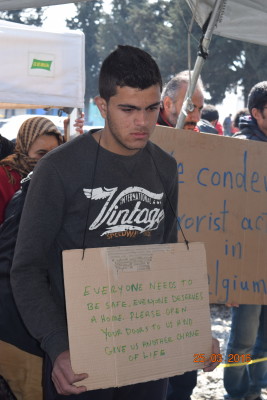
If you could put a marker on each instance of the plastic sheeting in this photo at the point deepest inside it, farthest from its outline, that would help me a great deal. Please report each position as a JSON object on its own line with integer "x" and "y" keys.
{"x": 244, "y": 20}
{"x": 19, "y": 4}
{"x": 40, "y": 68}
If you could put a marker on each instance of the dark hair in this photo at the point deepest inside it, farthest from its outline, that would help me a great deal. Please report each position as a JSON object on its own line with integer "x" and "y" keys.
{"x": 257, "y": 97}
{"x": 210, "y": 113}
{"x": 128, "y": 66}
{"x": 239, "y": 114}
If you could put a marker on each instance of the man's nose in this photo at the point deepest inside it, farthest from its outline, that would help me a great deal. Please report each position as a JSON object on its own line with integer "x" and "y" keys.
{"x": 141, "y": 118}
{"x": 195, "y": 115}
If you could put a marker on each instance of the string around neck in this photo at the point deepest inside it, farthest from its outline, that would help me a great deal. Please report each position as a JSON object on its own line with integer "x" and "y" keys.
{"x": 91, "y": 192}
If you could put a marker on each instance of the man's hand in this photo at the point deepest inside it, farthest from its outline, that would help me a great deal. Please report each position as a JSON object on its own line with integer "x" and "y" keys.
{"x": 79, "y": 123}
{"x": 210, "y": 366}
{"x": 64, "y": 377}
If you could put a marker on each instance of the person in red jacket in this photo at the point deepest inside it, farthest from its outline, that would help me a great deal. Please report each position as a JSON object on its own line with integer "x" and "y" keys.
{"x": 36, "y": 137}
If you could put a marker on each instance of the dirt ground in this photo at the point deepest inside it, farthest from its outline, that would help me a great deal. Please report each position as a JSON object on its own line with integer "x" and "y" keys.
{"x": 210, "y": 384}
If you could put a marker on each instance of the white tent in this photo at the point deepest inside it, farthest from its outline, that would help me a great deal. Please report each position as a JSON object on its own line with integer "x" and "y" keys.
{"x": 39, "y": 68}
{"x": 236, "y": 19}
{"x": 19, "y": 4}
{"x": 239, "y": 19}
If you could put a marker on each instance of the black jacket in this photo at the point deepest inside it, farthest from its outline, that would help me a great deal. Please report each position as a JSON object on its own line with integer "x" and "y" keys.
{"x": 206, "y": 127}
{"x": 249, "y": 130}
{"x": 12, "y": 329}
{"x": 162, "y": 121}
{"x": 6, "y": 147}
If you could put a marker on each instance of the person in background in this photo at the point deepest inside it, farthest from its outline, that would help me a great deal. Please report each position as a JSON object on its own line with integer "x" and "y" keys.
{"x": 209, "y": 119}
{"x": 219, "y": 128}
{"x": 21, "y": 357}
{"x": 6, "y": 147}
{"x": 36, "y": 136}
{"x": 249, "y": 322}
{"x": 241, "y": 113}
{"x": 227, "y": 125}
{"x": 172, "y": 99}
{"x": 119, "y": 156}
{"x": 181, "y": 386}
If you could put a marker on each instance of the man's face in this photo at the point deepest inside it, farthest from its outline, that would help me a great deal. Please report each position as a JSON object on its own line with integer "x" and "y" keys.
{"x": 174, "y": 108}
{"x": 261, "y": 117}
{"x": 131, "y": 115}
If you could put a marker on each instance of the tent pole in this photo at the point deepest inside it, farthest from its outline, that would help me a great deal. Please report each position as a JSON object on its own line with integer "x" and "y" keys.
{"x": 187, "y": 104}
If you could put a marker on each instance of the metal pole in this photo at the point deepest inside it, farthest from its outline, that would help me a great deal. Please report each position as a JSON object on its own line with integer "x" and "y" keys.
{"x": 187, "y": 104}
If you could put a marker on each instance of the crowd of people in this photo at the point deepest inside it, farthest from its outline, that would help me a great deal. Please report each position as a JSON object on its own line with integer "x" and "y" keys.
{"x": 56, "y": 215}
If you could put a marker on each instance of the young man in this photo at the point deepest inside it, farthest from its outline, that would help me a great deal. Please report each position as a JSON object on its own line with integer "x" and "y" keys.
{"x": 67, "y": 207}
{"x": 58, "y": 215}
{"x": 249, "y": 322}
{"x": 172, "y": 99}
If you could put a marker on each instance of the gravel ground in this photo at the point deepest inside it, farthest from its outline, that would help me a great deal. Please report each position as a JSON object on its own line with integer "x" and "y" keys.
{"x": 210, "y": 384}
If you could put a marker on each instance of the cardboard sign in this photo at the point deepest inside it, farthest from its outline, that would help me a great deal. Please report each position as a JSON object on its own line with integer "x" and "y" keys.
{"x": 136, "y": 313}
{"x": 223, "y": 203}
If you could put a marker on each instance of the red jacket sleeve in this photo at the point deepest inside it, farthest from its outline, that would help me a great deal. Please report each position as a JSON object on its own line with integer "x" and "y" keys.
{"x": 7, "y": 189}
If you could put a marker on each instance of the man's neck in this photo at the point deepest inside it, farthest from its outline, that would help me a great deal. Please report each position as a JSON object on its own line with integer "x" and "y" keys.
{"x": 162, "y": 120}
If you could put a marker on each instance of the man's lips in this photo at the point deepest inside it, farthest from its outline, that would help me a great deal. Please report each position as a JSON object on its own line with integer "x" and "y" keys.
{"x": 139, "y": 134}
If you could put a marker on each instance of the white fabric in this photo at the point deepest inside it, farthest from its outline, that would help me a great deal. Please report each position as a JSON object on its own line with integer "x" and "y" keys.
{"x": 241, "y": 19}
{"x": 19, "y": 4}
{"x": 39, "y": 67}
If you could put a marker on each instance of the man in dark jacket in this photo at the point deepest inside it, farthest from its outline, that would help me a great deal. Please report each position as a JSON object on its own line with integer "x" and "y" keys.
{"x": 181, "y": 387}
{"x": 6, "y": 147}
{"x": 26, "y": 351}
{"x": 249, "y": 322}
{"x": 209, "y": 119}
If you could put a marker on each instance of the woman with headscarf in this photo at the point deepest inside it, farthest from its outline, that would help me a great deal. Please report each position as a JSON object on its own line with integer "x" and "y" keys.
{"x": 36, "y": 137}
{"x": 21, "y": 354}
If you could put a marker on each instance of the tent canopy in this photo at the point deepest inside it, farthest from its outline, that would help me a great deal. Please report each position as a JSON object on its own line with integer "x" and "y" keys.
{"x": 40, "y": 68}
{"x": 19, "y": 4}
{"x": 240, "y": 19}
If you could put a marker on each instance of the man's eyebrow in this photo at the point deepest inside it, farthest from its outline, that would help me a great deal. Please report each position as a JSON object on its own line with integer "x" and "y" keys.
{"x": 129, "y": 106}
{"x": 153, "y": 105}
{"x": 139, "y": 108}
